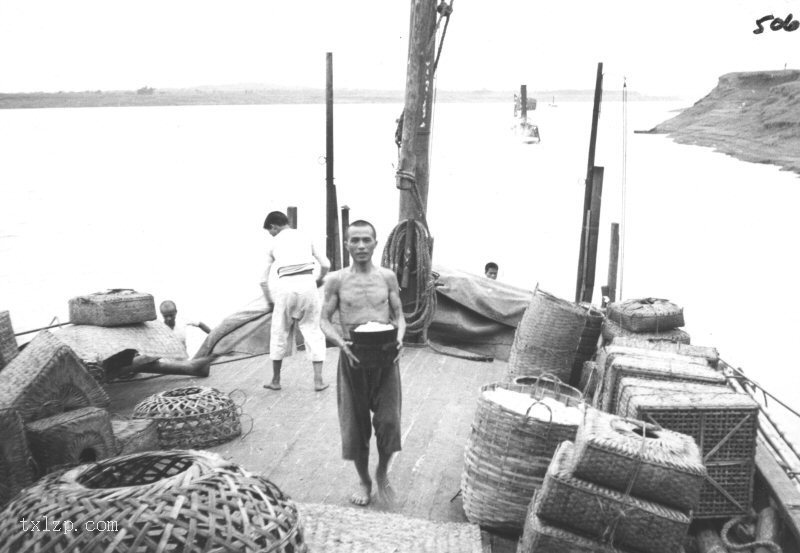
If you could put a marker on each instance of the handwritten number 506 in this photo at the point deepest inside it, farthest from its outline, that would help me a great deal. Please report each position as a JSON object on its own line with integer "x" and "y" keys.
{"x": 788, "y": 24}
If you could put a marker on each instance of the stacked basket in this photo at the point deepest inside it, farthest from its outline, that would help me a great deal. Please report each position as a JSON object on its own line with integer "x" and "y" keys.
{"x": 548, "y": 337}
{"x": 508, "y": 452}
{"x": 622, "y": 483}
{"x": 645, "y": 318}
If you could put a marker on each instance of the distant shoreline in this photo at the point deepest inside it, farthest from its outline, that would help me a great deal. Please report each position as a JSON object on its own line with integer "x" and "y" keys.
{"x": 205, "y": 96}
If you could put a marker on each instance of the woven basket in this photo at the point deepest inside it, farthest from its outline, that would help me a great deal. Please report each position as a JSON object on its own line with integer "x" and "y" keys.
{"x": 654, "y": 369}
{"x": 8, "y": 342}
{"x": 547, "y": 338}
{"x": 116, "y": 307}
{"x": 192, "y": 417}
{"x": 45, "y": 379}
{"x": 507, "y": 454}
{"x": 611, "y": 331}
{"x": 723, "y": 423}
{"x": 135, "y": 435}
{"x": 590, "y": 375}
{"x": 97, "y": 344}
{"x": 608, "y": 516}
{"x": 72, "y": 438}
{"x": 159, "y": 502}
{"x": 16, "y": 470}
{"x": 587, "y": 347}
{"x": 711, "y": 355}
{"x": 646, "y": 315}
{"x": 541, "y": 537}
{"x": 645, "y": 461}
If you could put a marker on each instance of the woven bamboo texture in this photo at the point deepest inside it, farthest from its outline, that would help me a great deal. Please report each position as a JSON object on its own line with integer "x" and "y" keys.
{"x": 547, "y": 338}
{"x": 607, "y": 354}
{"x": 723, "y": 423}
{"x": 135, "y": 435}
{"x": 112, "y": 308}
{"x": 591, "y": 374}
{"x": 95, "y": 344}
{"x": 540, "y": 537}
{"x": 336, "y": 529}
{"x": 8, "y": 342}
{"x": 612, "y": 331}
{"x": 710, "y": 354}
{"x": 71, "y": 438}
{"x": 587, "y": 347}
{"x": 45, "y": 379}
{"x": 654, "y": 369}
{"x": 159, "y": 502}
{"x": 646, "y": 314}
{"x": 16, "y": 470}
{"x": 191, "y": 417}
{"x": 607, "y": 515}
{"x": 647, "y": 462}
{"x": 507, "y": 454}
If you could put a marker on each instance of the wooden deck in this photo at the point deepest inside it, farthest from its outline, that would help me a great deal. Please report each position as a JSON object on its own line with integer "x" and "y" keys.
{"x": 294, "y": 438}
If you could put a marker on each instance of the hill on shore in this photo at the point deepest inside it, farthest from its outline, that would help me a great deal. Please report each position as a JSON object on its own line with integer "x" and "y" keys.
{"x": 753, "y": 116}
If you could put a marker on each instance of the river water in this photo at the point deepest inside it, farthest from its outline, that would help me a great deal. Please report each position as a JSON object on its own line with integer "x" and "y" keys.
{"x": 171, "y": 200}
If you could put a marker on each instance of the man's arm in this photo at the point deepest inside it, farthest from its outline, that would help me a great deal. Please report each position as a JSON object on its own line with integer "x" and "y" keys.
{"x": 324, "y": 264}
{"x": 398, "y": 318}
{"x": 329, "y": 306}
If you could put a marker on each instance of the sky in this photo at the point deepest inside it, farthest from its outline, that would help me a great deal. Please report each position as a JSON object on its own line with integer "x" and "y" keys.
{"x": 675, "y": 48}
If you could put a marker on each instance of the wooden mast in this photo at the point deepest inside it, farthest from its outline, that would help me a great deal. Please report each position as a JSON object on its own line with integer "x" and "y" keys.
{"x": 523, "y": 96}
{"x": 587, "y": 198}
{"x": 413, "y": 168}
{"x": 332, "y": 209}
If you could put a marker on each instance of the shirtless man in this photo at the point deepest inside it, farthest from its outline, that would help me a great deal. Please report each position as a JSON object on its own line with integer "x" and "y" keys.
{"x": 362, "y": 293}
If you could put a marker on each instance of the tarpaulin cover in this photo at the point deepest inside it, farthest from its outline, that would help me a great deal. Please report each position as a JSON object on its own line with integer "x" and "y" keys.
{"x": 473, "y": 313}
{"x": 477, "y": 314}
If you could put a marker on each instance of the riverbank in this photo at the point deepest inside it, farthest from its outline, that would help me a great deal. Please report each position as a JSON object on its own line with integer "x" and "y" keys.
{"x": 242, "y": 95}
{"x": 753, "y": 116}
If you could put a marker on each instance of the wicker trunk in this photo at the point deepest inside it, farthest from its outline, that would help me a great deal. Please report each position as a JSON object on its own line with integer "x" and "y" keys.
{"x": 646, "y": 315}
{"x": 112, "y": 308}
{"x": 8, "y": 342}
{"x": 612, "y": 330}
{"x": 710, "y": 354}
{"x": 16, "y": 468}
{"x": 647, "y": 462}
{"x": 723, "y": 423}
{"x": 608, "y": 516}
{"x": 47, "y": 378}
{"x": 72, "y": 438}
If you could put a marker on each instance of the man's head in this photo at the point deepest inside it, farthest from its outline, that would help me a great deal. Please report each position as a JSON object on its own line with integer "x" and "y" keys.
{"x": 361, "y": 240}
{"x": 490, "y": 270}
{"x": 275, "y": 222}
{"x": 168, "y": 311}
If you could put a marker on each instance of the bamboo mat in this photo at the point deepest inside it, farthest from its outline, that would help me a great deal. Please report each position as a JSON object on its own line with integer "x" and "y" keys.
{"x": 335, "y": 529}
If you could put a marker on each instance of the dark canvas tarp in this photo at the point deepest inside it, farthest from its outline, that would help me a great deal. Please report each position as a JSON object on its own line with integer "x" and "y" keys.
{"x": 475, "y": 313}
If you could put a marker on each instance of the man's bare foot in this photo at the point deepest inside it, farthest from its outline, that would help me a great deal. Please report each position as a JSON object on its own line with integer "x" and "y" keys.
{"x": 385, "y": 492}
{"x": 363, "y": 495}
{"x": 272, "y": 386}
{"x": 319, "y": 386}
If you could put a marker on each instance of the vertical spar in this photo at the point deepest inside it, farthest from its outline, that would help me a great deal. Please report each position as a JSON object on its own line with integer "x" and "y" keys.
{"x": 332, "y": 251}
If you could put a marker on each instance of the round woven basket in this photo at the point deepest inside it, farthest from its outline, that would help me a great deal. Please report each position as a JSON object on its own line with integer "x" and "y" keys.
{"x": 195, "y": 416}
{"x": 155, "y": 502}
{"x": 507, "y": 453}
{"x": 547, "y": 338}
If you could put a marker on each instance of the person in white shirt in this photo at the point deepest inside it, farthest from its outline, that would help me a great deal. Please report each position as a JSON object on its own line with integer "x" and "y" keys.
{"x": 169, "y": 312}
{"x": 293, "y": 294}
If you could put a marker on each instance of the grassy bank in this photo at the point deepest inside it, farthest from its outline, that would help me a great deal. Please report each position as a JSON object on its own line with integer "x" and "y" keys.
{"x": 753, "y": 116}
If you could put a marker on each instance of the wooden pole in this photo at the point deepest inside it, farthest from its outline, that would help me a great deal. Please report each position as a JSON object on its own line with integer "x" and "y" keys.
{"x": 413, "y": 167}
{"x": 587, "y": 197}
{"x": 291, "y": 214}
{"x": 766, "y": 528}
{"x": 613, "y": 263}
{"x": 594, "y": 231}
{"x": 345, "y": 224}
{"x": 332, "y": 219}
{"x": 523, "y": 95}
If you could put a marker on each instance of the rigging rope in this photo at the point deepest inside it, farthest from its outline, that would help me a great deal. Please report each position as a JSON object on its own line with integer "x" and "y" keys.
{"x": 624, "y": 185}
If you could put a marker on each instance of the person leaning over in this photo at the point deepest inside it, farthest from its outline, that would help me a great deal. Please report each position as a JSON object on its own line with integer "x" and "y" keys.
{"x": 294, "y": 296}
{"x": 364, "y": 293}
